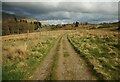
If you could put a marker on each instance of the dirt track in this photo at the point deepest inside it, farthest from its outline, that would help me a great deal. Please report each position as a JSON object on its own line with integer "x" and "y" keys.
{"x": 63, "y": 63}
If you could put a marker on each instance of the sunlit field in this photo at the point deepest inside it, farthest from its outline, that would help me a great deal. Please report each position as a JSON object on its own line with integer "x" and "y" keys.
{"x": 100, "y": 49}
{"x": 23, "y": 53}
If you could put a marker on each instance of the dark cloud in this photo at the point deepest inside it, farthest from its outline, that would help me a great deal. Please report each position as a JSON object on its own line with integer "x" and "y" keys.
{"x": 73, "y": 11}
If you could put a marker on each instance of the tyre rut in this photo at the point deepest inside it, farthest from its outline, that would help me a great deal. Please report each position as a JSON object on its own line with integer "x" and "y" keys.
{"x": 63, "y": 63}
{"x": 69, "y": 65}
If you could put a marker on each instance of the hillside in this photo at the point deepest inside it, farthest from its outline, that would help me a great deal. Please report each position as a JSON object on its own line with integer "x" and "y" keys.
{"x": 7, "y": 16}
{"x": 13, "y": 24}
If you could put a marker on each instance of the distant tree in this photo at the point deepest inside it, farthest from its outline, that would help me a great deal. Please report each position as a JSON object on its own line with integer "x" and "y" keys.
{"x": 76, "y": 24}
{"x": 40, "y": 24}
{"x": 25, "y": 21}
{"x": 64, "y": 25}
{"x": 15, "y": 19}
{"x": 20, "y": 20}
{"x": 119, "y": 25}
{"x": 37, "y": 25}
{"x": 5, "y": 30}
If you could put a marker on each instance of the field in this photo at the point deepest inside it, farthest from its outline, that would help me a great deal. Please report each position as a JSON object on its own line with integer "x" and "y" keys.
{"x": 100, "y": 49}
{"x": 23, "y": 53}
{"x": 61, "y": 55}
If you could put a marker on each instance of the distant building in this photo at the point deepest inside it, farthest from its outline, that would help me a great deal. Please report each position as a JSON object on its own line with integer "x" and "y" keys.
{"x": 41, "y": 29}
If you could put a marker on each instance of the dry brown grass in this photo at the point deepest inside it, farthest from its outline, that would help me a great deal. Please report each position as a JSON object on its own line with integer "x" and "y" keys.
{"x": 21, "y": 56}
{"x": 15, "y": 52}
{"x": 100, "y": 49}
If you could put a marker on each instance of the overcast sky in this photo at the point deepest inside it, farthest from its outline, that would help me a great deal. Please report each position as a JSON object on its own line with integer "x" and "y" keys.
{"x": 65, "y": 12}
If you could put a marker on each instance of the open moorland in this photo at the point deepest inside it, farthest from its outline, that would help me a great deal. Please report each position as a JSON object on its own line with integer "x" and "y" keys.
{"x": 81, "y": 54}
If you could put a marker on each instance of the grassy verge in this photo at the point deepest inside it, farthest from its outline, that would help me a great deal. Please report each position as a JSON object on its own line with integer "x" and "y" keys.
{"x": 55, "y": 62}
{"x": 21, "y": 56}
{"x": 100, "y": 51}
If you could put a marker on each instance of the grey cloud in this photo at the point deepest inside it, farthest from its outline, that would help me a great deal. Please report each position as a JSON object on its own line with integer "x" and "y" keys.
{"x": 74, "y": 11}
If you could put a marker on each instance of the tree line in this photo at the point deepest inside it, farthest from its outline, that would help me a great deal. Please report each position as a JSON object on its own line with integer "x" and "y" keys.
{"x": 18, "y": 26}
